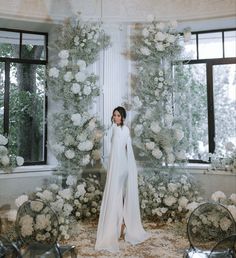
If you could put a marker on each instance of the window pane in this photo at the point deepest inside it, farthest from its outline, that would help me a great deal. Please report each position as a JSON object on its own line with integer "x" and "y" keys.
{"x": 189, "y": 48}
{"x": 27, "y": 111}
{"x": 210, "y": 45}
{"x": 9, "y": 44}
{"x": 230, "y": 43}
{"x": 191, "y": 107}
{"x": 2, "y": 83}
{"x": 224, "y": 81}
{"x": 33, "y": 46}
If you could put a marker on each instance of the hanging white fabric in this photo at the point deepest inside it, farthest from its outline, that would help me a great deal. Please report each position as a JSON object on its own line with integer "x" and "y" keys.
{"x": 120, "y": 201}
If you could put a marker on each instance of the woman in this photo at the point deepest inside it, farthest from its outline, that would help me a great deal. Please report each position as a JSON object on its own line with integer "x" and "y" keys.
{"x": 120, "y": 203}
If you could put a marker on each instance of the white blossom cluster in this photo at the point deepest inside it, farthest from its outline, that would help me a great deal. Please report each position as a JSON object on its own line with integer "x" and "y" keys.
{"x": 159, "y": 135}
{"x": 8, "y": 161}
{"x": 79, "y": 199}
{"x": 36, "y": 221}
{"x": 165, "y": 198}
{"x": 77, "y": 132}
{"x": 209, "y": 222}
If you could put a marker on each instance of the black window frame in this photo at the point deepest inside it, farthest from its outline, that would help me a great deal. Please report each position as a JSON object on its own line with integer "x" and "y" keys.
{"x": 7, "y": 61}
{"x": 210, "y": 62}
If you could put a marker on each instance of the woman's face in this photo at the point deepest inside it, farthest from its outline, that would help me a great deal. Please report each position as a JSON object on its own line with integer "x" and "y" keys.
{"x": 117, "y": 118}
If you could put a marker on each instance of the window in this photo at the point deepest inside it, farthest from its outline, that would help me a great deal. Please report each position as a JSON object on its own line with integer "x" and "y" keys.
{"x": 208, "y": 105}
{"x": 23, "y": 59}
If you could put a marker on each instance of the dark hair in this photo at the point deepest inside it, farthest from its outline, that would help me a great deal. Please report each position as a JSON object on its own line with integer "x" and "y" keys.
{"x": 122, "y": 112}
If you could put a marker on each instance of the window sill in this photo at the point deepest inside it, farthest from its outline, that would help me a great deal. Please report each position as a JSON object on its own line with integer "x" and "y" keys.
{"x": 37, "y": 170}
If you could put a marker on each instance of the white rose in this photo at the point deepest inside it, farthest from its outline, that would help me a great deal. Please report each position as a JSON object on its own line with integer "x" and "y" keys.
{"x": 169, "y": 200}
{"x": 87, "y": 90}
{"x": 68, "y": 76}
{"x": 160, "y": 36}
{"x": 80, "y": 77}
{"x": 76, "y": 118}
{"x": 19, "y": 160}
{"x": 218, "y": 196}
{"x": 150, "y": 145}
{"x": 85, "y": 146}
{"x": 53, "y": 72}
{"x": 157, "y": 153}
{"x": 5, "y": 160}
{"x": 233, "y": 198}
{"x": 145, "y": 51}
{"x": 81, "y": 64}
{"x": 155, "y": 127}
{"x": 21, "y": 199}
{"x": 75, "y": 88}
{"x": 160, "y": 47}
{"x": 71, "y": 180}
{"x": 183, "y": 202}
{"x": 70, "y": 154}
{"x": 63, "y": 54}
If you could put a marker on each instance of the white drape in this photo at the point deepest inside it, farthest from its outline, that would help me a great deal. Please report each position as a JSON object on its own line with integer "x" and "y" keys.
{"x": 120, "y": 201}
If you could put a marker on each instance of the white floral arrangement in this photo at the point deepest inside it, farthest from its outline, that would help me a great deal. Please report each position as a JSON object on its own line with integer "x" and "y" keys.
{"x": 158, "y": 133}
{"x": 79, "y": 200}
{"x": 77, "y": 132}
{"x": 214, "y": 220}
{"x": 165, "y": 198}
{"x": 222, "y": 160}
{"x": 36, "y": 222}
{"x": 8, "y": 161}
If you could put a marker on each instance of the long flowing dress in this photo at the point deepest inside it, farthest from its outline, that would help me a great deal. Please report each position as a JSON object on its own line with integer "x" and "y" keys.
{"x": 120, "y": 203}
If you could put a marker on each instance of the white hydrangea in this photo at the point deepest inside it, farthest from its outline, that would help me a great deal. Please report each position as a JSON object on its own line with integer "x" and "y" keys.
{"x": 160, "y": 36}
{"x": 36, "y": 206}
{"x": 19, "y": 160}
{"x": 192, "y": 206}
{"x": 65, "y": 193}
{"x": 68, "y": 76}
{"x": 80, "y": 191}
{"x": 150, "y": 18}
{"x": 157, "y": 153}
{"x": 85, "y": 160}
{"x": 3, "y": 140}
{"x": 26, "y": 223}
{"x": 21, "y": 199}
{"x": 169, "y": 200}
{"x": 45, "y": 195}
{"x": 145, "y": 51}
{"x": 183, "y": 202}
{"x": 75, "y": 88}
{"x": 233, "y": 198}
{"x": 225, "y": 223}
{"x": 63, "y": 62}
{"x": 155, "y": 127}
{"x": 80, "y": 77}
{"x": 150, "y": 145}
{"x": 171, "y": 38}
{"x": 63, "y": 54}
{"x": 145, "y": 32}
{"x": 42, "y": 221}
{"x": 71, "y": 180}
{"x": 57, "y": 205}
{"x": 76, "y": 119}
{"x": 85, "y": 146}
{"x": 87, "y": 90}
{"x": 218, "y": 196}
{"x": 70, "y": 154}
{"x": 53, "y": 72}
{"x": 67, "y": 209}
{"x": 81, "y": 64}
{"x": 5, "y": 160}
{"x": 172, "y": 187}
{"x": 3, "y": 150}
{"x": 58, "y": 148}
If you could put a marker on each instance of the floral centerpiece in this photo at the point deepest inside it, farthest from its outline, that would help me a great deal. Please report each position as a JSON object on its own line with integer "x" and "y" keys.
{"x": 77, "y": 132}
{"x": 158, "y": 133}
{"x": 8, "y": 161}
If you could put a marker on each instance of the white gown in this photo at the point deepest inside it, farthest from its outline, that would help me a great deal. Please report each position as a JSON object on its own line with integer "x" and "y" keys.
{"x": 120, "y": 201}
